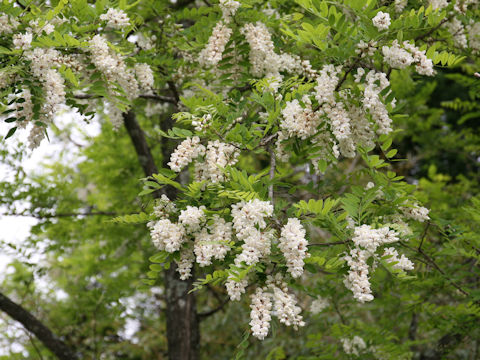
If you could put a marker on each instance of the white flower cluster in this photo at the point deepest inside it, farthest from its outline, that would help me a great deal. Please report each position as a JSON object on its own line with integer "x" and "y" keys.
{"x": 167, "y": 235}
{"x": 265, "y": 62}
{"x": 42, "y": 63}
{"x": 47, "y": 27}
{"x": 188, "y": 150}
{"x": 438, "y": 4}
{"x": 293, "y": 245}
{"x": 260, "y": 314}
{"x": 364, "y": 49}
{"x": 248, "y": 222}
{"x": 366, "y": 240}
{"x": 145, "y": 76}
{"x": 416, "y": 212}
{"x": 284, "y": 307}
{"x": 115, "y": 18}
{"x": 214, "y": 242}
{"x": 456, "y": 28}
{"x": 400, "y": 5}
{"x": 474, "y": 37}
{"x": 396, "y": 56}
{"x": 185, "y": 264}
{"x": 318, "y": 305}
{"x": 375, "y": 82}
{"x": 235, "y": 289}
{"x": 200, "y": 124}
{"x": 327, "y": 81}
{"x": 114, "y": 114}
{"x": 285, "y": 304}
{"x": 8, "y": 24}
{"x": 399, "y": 58}
{"x": 192, "y": 218}
{"x": 353, "y": 346}
{"x": 113, "y": 67}
{"x": 164, "y": 207}
{"x": 402, "y": 263}
{"x": 229, "y": 8}
{"x": 381, "y": 21}
{"x": 212, "y": 53}
{"x": 424, "y": 65}
{"x": 218, "y": 155}
{"x": 23, "y": 41}
{"x": 299, "y": 121}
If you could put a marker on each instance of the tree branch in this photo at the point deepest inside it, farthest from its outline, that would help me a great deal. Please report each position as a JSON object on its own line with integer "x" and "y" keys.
{"x": 36, "y": 327}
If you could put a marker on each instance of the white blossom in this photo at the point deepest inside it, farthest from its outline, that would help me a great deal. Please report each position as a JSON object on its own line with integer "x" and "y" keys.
{"x": 381, "y": 21}
{"x": 285, "y": 306}
{"x": 416, "y": 212}
{"x": 164, "y": 207}
{"x": 185, "y": 264}
{"x": 192, "y": 218}
{"x": 400, "y": 5}
{"x": 229, "y": 8}
{"x": 188, "y": 150}
{"x": 212, "y": 53}
{"x": 396, "y": 56}
{"x": 402, "y": 262}
{"x": 318, "y": 305}
{"x": 113, "y": 66}
{"x": 235, "y": 289}
{"x": 213, "y": 242}
{"x": 293, "y": 245}
{"x": 116, "y": 18}
{"x": 438, "y": 4}
{"x": 22, "y": 41}
{"x": 457, "y": 30}
{"x": 260, "y": 314}
{"x": 374, "y": 83}
{"x": 353, "y": 346}
{"x": 166, "y": 235}
{"x": 299, "y": 121}
{"x": 145, "y": 76}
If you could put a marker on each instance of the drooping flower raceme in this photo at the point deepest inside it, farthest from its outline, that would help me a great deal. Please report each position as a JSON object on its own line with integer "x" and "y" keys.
{"x": 294, "y": 246}
{"x": 192, "y": 218}
{"x": 188, "y": 150}
{"x": 212, "y": 53}
{"x": 166, "y": 235}
{"x": 116, "y": 18}
{"x": 260, "y": 314}
{"x": 353, "y": 346}
{"x": 402, "y": 263}
{"x": 318, "y": 305}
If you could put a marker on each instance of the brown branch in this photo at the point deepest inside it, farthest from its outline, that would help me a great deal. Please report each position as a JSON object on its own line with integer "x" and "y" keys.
{"x": 328, "y": 244}
{"x": 432, "y": 30}
{"x": 215, "y": 310}
{"x": 183, "y": 336}
{"x": 37, "y": 328}
{"x": 167, "y": 99}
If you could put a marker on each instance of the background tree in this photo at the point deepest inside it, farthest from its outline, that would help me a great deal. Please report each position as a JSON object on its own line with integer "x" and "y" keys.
{"x": 275, "y": 128}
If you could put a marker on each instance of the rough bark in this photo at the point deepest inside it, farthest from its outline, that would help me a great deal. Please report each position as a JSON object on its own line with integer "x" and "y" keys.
{"x": 37, "y": 328}
{"x": 183, "y": 333}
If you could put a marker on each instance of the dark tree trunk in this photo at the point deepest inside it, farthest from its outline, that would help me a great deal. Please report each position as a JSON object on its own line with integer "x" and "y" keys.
{"x": 37, "y": 328}
{"x": 183, "y": 333}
